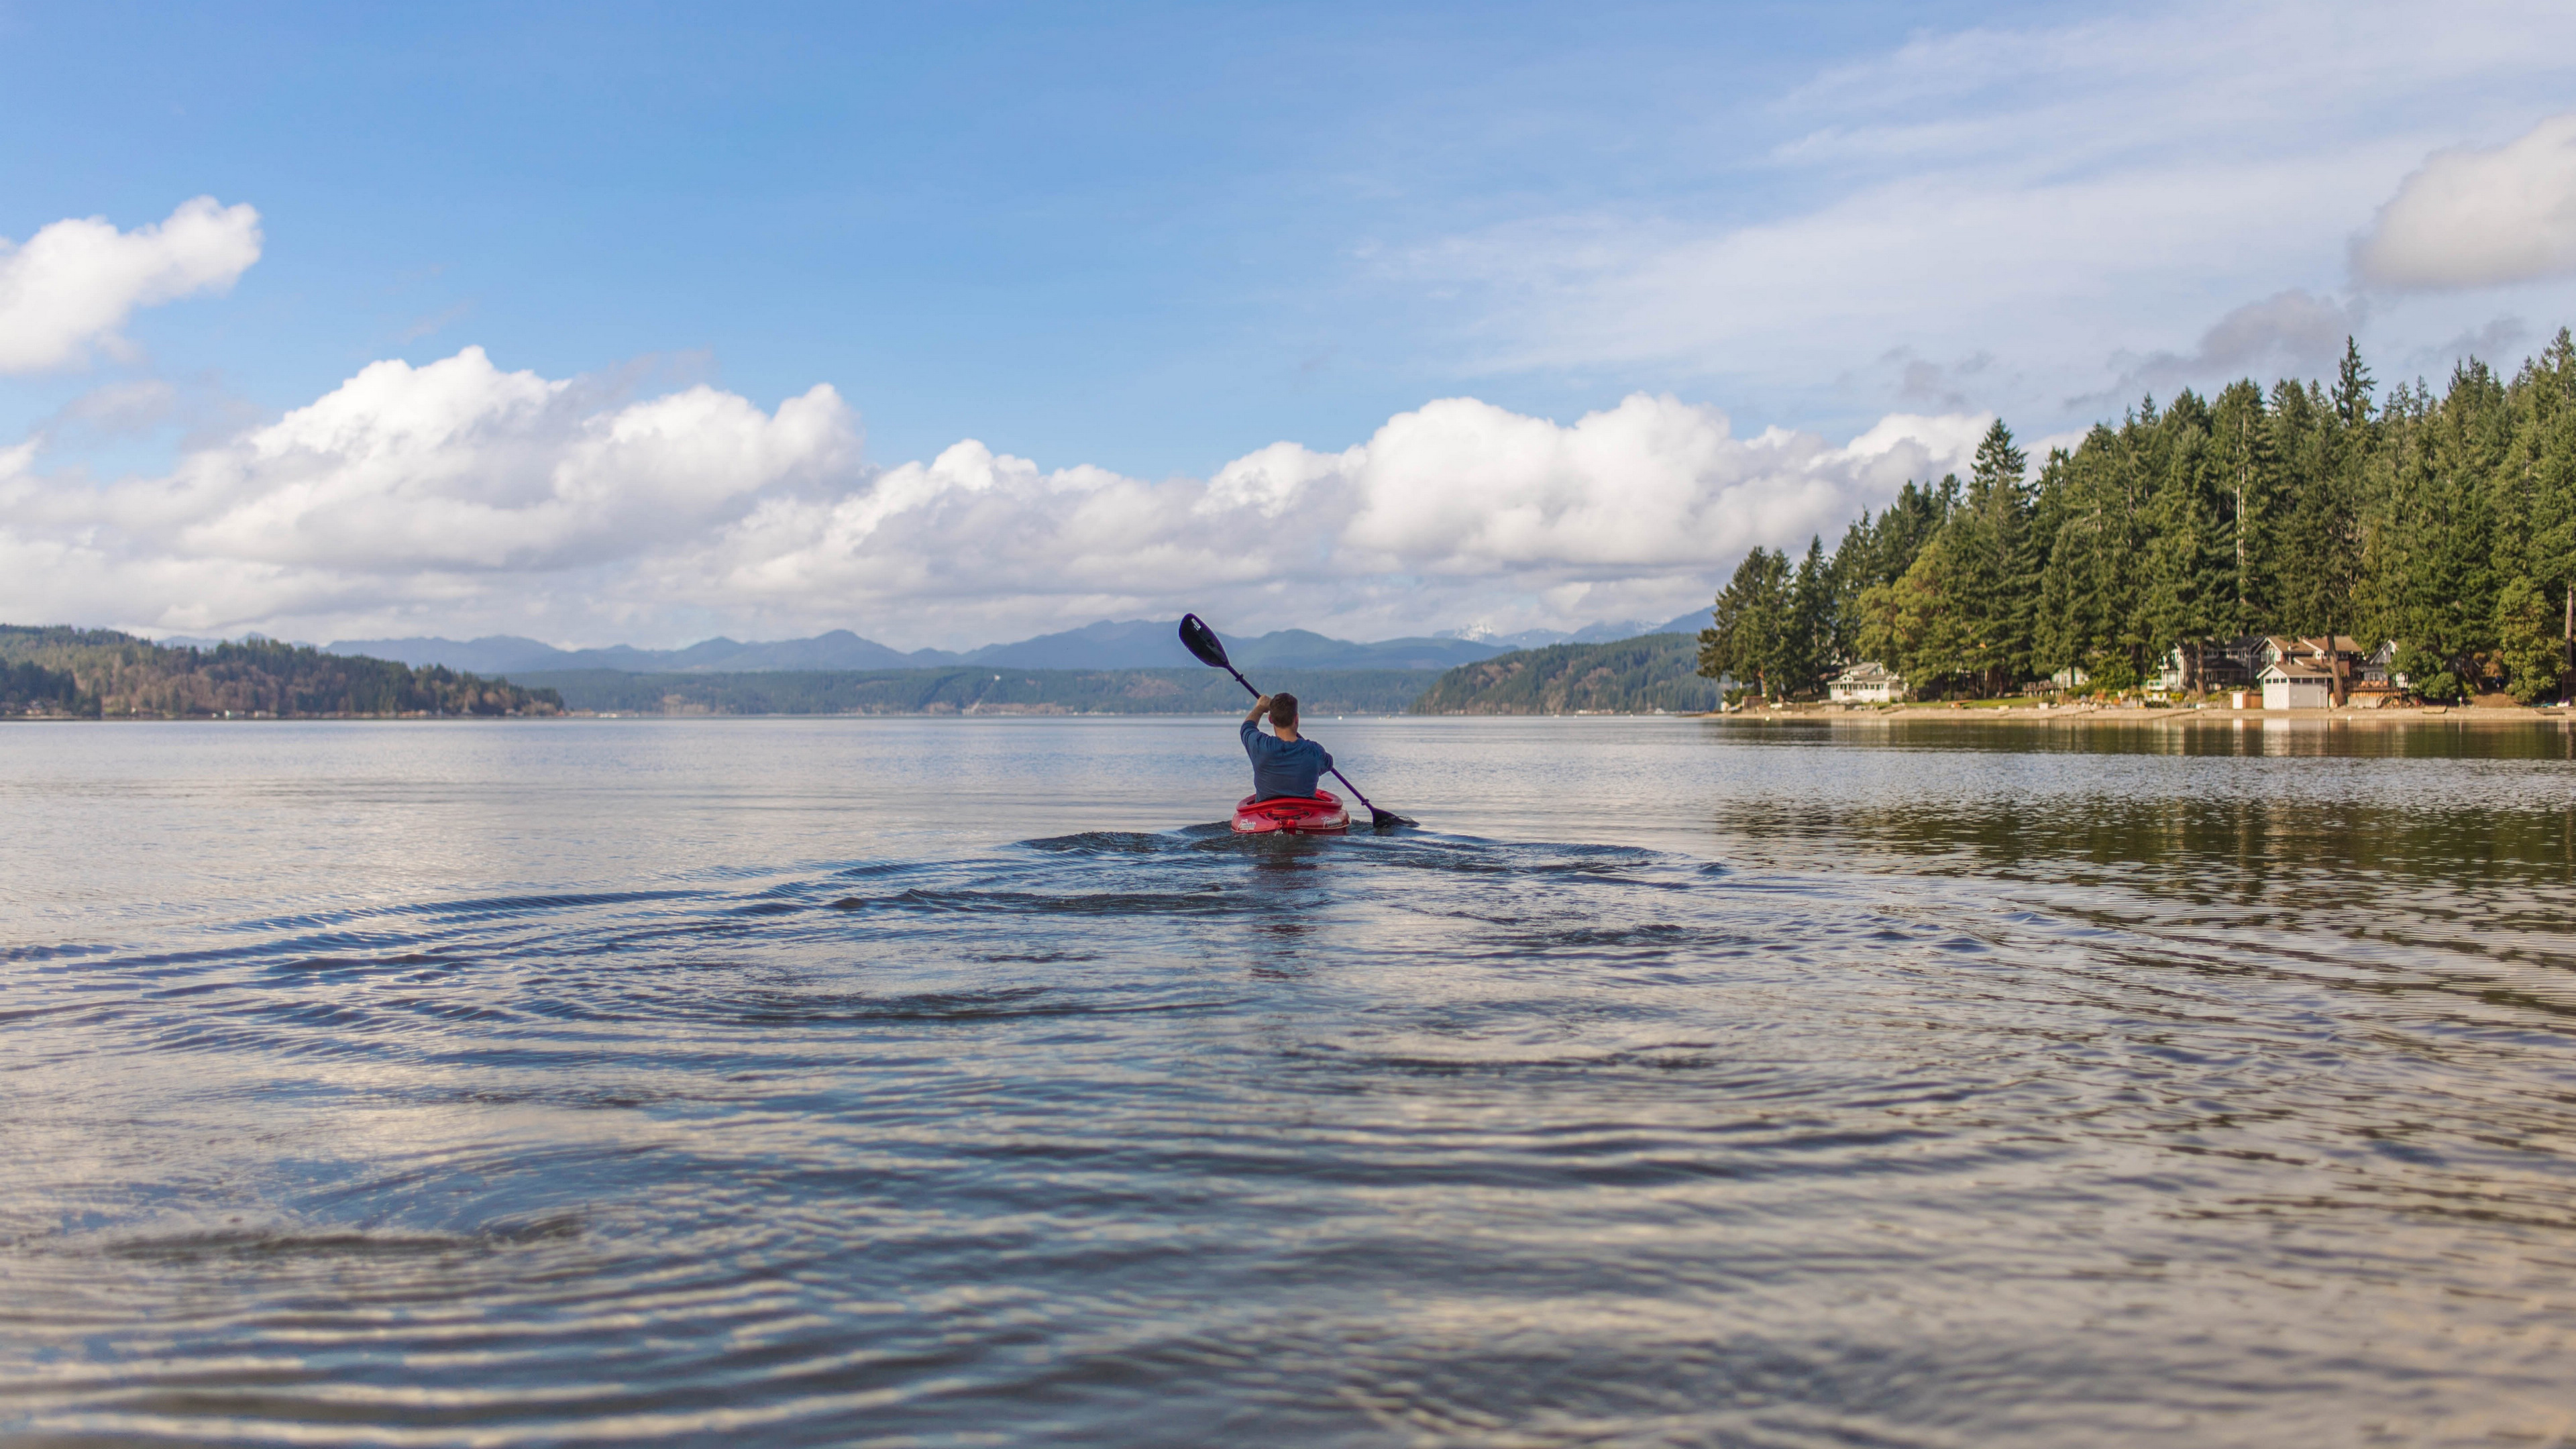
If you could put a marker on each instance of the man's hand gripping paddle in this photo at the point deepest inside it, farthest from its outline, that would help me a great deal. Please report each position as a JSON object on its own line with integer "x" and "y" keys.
{"x": 1202, "y": 641}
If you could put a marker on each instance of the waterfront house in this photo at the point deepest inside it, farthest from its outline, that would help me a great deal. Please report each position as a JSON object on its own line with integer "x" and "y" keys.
{"x": 2379, "y": 680}
{"x": 1869, "y": 683}
{"x": 2340, "y": 649}
{"x": 2352, "y": 676}
{"x": 2170, "y": 673}
{"x": 2210, "y": 664}
{"x": 2297, "y": 684}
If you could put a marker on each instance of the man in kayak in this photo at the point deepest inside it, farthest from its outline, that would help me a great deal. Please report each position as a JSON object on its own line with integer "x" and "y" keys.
{"x": 1284, "y": 764}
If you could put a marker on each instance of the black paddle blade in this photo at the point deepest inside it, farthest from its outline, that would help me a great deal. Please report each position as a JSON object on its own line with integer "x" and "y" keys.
{"x": 1202, "y": 641}
{"x": 1387, "y": 819}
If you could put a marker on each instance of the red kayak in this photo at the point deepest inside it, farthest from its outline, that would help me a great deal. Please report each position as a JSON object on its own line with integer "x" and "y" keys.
{"x": 1318, "y": 814}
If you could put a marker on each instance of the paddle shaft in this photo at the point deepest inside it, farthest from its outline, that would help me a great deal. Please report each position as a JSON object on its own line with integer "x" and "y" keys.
{"x": 1337, "y": 770}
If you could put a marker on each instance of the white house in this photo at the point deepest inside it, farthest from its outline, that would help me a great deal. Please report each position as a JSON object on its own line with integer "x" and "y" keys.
{"x": 1865, "y": 684}
{"x": 2297, "y": 684}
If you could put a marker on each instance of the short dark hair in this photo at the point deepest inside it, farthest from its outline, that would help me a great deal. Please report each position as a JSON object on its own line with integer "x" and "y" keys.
{"x": 1283, "y": 710}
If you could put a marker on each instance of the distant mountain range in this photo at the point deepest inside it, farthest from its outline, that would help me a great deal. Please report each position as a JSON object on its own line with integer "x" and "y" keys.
{"x": 1126, "y": 644}
{"x": 1690, "y": 623}
{"x": 975, "y": 689}
{"x": 506, "y": 653}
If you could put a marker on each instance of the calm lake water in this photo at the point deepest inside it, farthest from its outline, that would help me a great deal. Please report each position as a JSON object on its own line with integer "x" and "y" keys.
{"x": 953, "y": 1082}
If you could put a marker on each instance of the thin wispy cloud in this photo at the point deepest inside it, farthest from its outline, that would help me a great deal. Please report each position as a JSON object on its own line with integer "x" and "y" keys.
{"x": 2086, "y": 200}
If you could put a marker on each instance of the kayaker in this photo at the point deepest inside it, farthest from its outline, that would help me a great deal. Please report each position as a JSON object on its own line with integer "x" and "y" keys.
{"x": 1284, "y": 764}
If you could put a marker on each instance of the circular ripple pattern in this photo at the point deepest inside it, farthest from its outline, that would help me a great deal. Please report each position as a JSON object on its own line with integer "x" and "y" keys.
{"x": 1856, "y": 1126}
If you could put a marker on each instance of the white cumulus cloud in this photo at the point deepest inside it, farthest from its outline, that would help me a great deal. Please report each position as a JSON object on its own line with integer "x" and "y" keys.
{"x": 459, "y": 465}
{"x": 72, "y": 285}
{"x": 457, "y": 497}
{"x": 2477, "y": 218}
{"x": 1456, "y": 510}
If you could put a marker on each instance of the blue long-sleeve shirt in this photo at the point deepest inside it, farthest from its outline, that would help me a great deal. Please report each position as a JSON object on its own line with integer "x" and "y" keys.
{"x": 1283, "y": 767}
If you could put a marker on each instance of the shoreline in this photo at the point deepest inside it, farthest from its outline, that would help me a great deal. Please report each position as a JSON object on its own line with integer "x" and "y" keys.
{"x": 2167, "y": 715}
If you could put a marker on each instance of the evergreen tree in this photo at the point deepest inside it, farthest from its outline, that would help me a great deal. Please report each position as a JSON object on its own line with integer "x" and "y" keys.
{"x": 1876, "y": 553}
{"x": 2445, "y": 524}
{"x": 2352, "y": 387}
{"x": 2188, "y": 560}
{"x": 1988, "y": 566}
{"x": 2433, "y": 582}
{"x": 1749, "y": 633}
{"x": 1808, "y": 652}
{"x": 2247, "y": 477}
{"x": 2527, "y": 641}
{"x": 1851, "y": 572}
{"x": 2314, "y": 540}
{"x": 2091, "y": 500}
{"x": 1917, "y": 627}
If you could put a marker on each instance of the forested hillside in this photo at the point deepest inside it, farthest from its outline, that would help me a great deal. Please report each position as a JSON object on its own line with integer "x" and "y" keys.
{"x": 982, "y": 690}
{"x": 1630, "y": 676}
{"x": 101, "y": 673}
{"x": 2446, "y": 523}
{"x": 31, "y": 688}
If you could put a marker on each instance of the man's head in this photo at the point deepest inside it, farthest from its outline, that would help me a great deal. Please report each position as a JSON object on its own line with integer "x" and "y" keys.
{"x": 1283, "y": 711}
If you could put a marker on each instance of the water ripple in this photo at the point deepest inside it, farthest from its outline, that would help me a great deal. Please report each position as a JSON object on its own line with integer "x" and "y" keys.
{"x": 1945, "y": 1126}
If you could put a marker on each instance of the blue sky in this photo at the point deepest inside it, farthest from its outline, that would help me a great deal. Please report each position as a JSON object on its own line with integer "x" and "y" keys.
{"x": 1137, "y": 245}
{"x": 1141, "y": 241}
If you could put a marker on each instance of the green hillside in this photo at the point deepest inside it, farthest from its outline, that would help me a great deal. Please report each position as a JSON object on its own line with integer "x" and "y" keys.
{"x": 1626, "y": 676}
{"x": 979, "y": 690}
{"x": 99, "y": 673}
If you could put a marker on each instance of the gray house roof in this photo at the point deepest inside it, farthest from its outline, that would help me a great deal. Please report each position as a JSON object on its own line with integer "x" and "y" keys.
{"x": 2297, "y": 671}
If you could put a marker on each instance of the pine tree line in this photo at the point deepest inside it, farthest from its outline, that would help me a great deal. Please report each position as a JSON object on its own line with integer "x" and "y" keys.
{"x": 2447, "y": 526}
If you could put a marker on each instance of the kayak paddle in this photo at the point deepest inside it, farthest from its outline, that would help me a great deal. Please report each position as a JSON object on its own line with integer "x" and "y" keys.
{"x": 1202, "y": 641}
